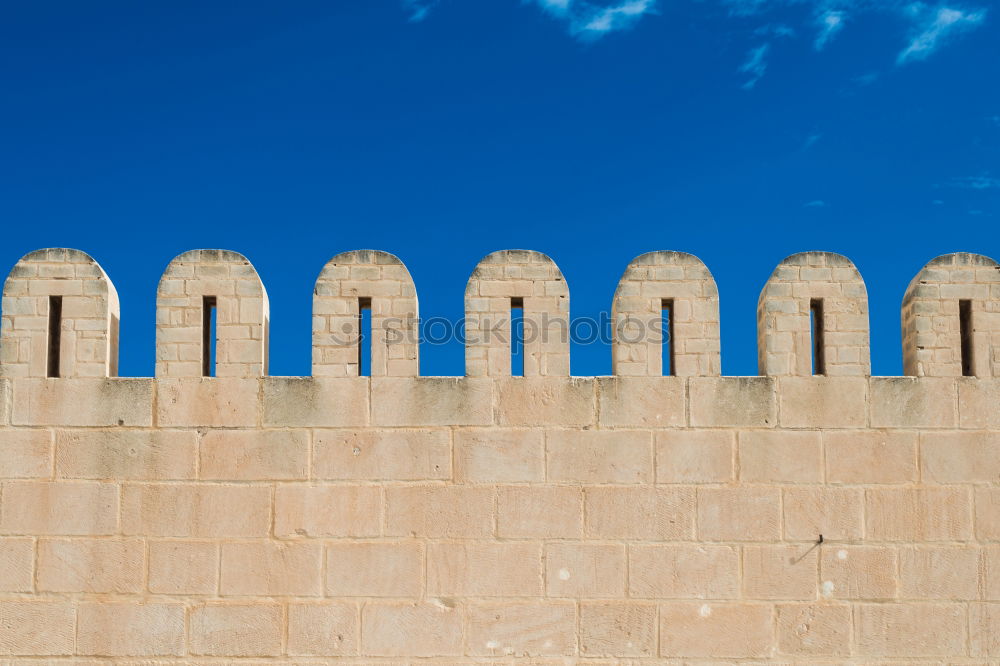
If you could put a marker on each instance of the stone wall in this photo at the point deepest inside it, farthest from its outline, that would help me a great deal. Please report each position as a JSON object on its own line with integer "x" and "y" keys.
{"x": 398, "y": 519}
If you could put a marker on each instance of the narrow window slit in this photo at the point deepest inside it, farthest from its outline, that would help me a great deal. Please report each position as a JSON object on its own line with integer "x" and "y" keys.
{"x": 55, "y": 335}
{"x": 209, "y": 329}
{"x": 517, "y": 337}
{"x": 364, "y": 337}
{"x": 818, "y": 345}
{"x": 965, "y": 329}
{"x": 667, "y": 336}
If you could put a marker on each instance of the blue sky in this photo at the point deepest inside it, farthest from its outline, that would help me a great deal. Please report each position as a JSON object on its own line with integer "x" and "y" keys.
{"x": 592, "y": 130}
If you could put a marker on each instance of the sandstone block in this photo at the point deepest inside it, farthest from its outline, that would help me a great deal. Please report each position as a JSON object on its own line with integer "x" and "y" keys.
{"x": 551, "y": 512}
{"x": 987, "y": 513}
{"x": 823, "y": 402}
{"x": 327, "y": 511}
{"x": 596, "y": 456}
{"x": 484, "y": 569}
{"x": 236, "y": 630}
{"x": 694, "y": 456}
{"x": 439, "y": 511}
{"x": 394, "y": 455}
{"x": 730, "y": 630}
{"x": 323, "y": 630}
{"x": 739, "y": 514}
{"x": 580, "y": 569}
{"x": 659, "y": 514}
{"x": 686, "y": 571}
{"x": 91, "y": 565}
{"x": 130, "y": 629}
{"x": 41, "y": 628}
{"x": 960, "y": 457}
{"x": 780, "y": 457}
{"x": 834, "y": 512}
{"x": 17, "y": 558}
{"x": 483, "y": 455}
{"x": 549, "y": 401}
{"x": 780, "y": 572}
{"x": 183, "y": 567}
{"x": 432, "y": 629}
{"x": 939, "y": 573}
{"x": 25, "y": 454}
{"x": 374, "y": 569}
{"x": 251, "y": 455}
{"x": 126, "y": 454}
{"x": 521, "y": 630}
{"x": 315, "y": 402}
{"x": 60, "y": 509}
{"x": 984, "y": 629}
{"x": 83, "y": 402}
{"x": 196, "y": 510}
{"x": 213, "y": 402}
{"x": 814, "y": 630}
{"x": 871, "y": 456}
{"x": 918, "y": 514}
{"x": 617, "y": 629}
{"x": 431, "y": 401}
{"x": 641, "y": 402}
{"x": 859, "y": 572}
{"x": 977, "y": 401}
{"x": 269, "y": 568}
{"x": 912, "y": 402}
{"x": 910, "y": 630}
{"x": 733, "y": 402}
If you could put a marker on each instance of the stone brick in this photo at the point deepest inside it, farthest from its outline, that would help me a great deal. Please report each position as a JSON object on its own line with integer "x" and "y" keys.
{"x": 236, "y": 630}
{"x": 729, "y": 630}
{"x": 521, "y": 630}
{"x": 580, "y": 569}
{"x": 988, "y": 513}
{"x": 871, "y": 457}
{"x": 977, "y": 401}
{"x": 694, "y": 456}
{"x": 271, "y": 569}
{"x": 739, "y": 402}
{"x": 858, "y": 572}
{"x": 554, "y": 512}
{"x": 39, "y": 628}
{"x": 642, "y": 402}
{"x": 196, "y": 510}
{"x": 484, "y": 569}
{"x": 549, "y": 401}
{"x": 72, "y": 402}
{"x": 617, "y": 629}
{"x": 911, "y": 402}
{"x": 432, "y": 629}
{"x": 939, "y": 573}
{"x": 17, "y": 558}
{"x": 595, "y": 456}
{"x": 327, "y": 511}
{"x": 126, "y": 454}
{"x": 214, "y": 402}
{"x": 814, "y": 630}
{"x": 315, "y": 402}
{"x": 960, "y": 457}
{"x": 130, "y": 629}
{"x": 836, "y": 513}
{"x": 780, "y": 572}
{"x": 823, "y": 402}
{"x": 103, "y": 566}
{"x": 912, "y": 630}
{"x": 780, "y": 457}
{"x": 739, "y": 514}
{"x": 685, "y": 571}
{"x": 5, "y": 401}
{"x": 376, "y": 569}
{"x": 395, "y": 455}
{"x": 439, "y": 511}
{"x": 639, "y": 513}
{"x": 431, "y": 401}
{"x": 984, "y": 629}
{"x": 991, "y": 572}
{"x": 59, "y": 509}
{"x": 250, "y": 455}
{"x": 918, "y": 514}
{"x": 323, "y": 630}
{"x": 483, "y": 455}
{"x": 25, "y": 454}
{"x": 183, "y": 567}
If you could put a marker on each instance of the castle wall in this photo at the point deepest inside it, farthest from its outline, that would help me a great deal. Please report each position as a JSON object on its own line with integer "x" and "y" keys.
{"x": 488, "y": 518}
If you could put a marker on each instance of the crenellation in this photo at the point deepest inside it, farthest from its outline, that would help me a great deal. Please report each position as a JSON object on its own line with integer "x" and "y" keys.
{"x": 382, "y": 517}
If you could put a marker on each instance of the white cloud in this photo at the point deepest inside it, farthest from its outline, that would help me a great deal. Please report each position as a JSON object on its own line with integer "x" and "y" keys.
{"x": 830, "y": 23}
{"x": 933, "y": 27}
{"x": 984, "y": 182}
{"x": 755, "y": 65}
{"x": 818, "y": 203}
{"x": 811, "y": 140}
{"x": 587, "y": 20}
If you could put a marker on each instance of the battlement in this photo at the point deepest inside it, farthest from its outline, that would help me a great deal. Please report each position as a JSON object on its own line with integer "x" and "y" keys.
{"x": 366, "y": 515}
{"x": 60, "y": 317}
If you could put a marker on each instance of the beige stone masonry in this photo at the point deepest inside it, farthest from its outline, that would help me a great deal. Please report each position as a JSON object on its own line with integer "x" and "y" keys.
{"x": 190, "y": 285}
{"x": 499, "y": 281}
{"x": 379, "y": 282}
{"x": 814, "y": 285}
{"x": 680, "y": 285}
{"x": 546, "y": 520}
{"x": 84, "y": 318}
{"x": 933, "y": 324}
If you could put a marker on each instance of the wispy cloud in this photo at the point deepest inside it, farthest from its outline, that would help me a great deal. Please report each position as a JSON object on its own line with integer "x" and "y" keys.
{"x": 830, "y": 23}
{"x": 811, "y": 140}
{"x": 984, "y": 182}
{"x": 755, "y": 65}
{"x": 587, "y": 20}
{"x": 418, "y": 9}
{"x": 818, "y": 203}
{"x": 933, "y": 26}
